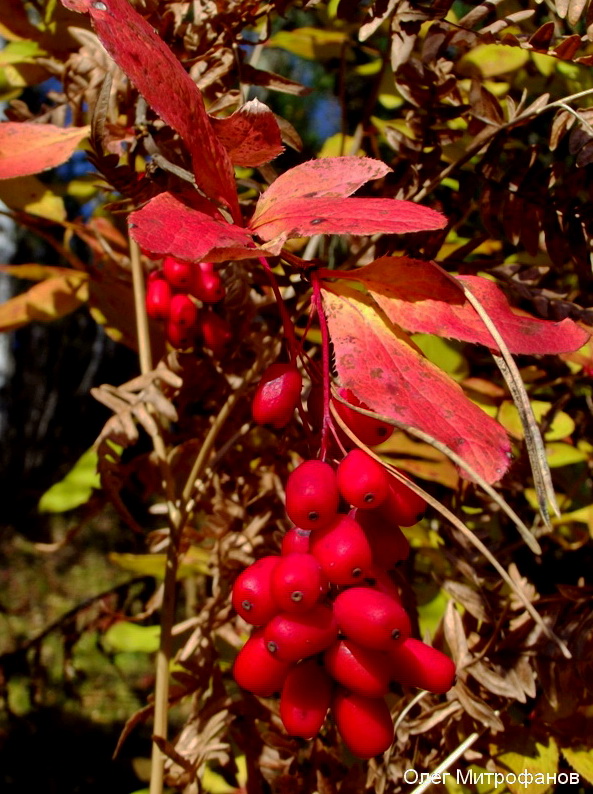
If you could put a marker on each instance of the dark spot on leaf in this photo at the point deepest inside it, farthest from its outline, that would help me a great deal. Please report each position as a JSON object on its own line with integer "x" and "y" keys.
{"x": 317, "y": 221}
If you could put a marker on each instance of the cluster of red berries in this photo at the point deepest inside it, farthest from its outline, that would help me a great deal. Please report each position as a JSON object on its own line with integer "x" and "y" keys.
{"x": 170, "y": 294}
{"x": 331, "y": 632}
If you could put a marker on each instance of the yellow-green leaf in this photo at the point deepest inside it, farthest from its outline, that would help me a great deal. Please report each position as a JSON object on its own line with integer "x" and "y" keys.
{"x": 528, "y": 755}
{"x": 194, "y": 561}
{"x": 561, "y": 427}
{"x": 337, "y": 145}
{"x": 446, "y": 355}
{"x": 560, "y": 454}
{"x": 310, "y": 43}
{"x": 31, "y": 195}
{"x": 492, "y": 60}
{"x": 131, "y": 638}
{"x": 581, "y": 760}
{"x": 76, "y": 487}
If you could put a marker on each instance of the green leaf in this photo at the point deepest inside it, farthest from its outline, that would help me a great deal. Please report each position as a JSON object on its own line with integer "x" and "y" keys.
{"x": 561, "y": 427}
{"x": 194, "y": 561}
{"x": 314, "y": 44}
{"x": 444, "y": 354}
{"x": 560, "y": 454}
{"x": 528, "y": 755}
{"x": 581, "y": 760}
{"x": 76, "y": 487}
{"x": 131, "y": 638}
{"x": 492, "y": 60}
{"x": 19, "y": 52}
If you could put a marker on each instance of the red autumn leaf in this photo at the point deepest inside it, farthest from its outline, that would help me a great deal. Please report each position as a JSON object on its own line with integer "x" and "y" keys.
{"x": 169, "y": 90}
{"x": 421, "y": 297}
{"x": 28, "y": 148}
{"x": 251, "y": 135}
{"x": 166, "y": 226}
{"x": 305, "y": 217}
{"x": 328, "y": 176}
{"x": 377, "y": 361}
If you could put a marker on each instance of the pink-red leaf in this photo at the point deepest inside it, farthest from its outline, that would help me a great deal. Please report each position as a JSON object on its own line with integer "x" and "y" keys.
{"x": 305, "y": 217}
{"x": 421, "y": 297}
{"x": 163, "y": 82}
{"x": 27, "y": 148}
{"x": 378, "y": 362}
{"x": 166, "y": 226}
{"x": 251, "y": 135}
{"x": 328, "y": 176}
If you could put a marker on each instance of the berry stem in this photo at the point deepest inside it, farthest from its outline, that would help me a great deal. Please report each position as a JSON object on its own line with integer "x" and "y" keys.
{"x": 293, "y": 344}
{"x": 317, "y": 304}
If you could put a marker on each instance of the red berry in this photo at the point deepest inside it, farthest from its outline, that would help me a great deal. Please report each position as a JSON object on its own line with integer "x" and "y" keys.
{"x": 207, "y": 285}
{"x": 158, "y": 298}
{"x": 252, "y": 592}
{"x": 183, "y": 320}
{"x": 296, "y": 540}
{"x": 216, "y": 332}
{"x": 359, "y": 669}
{"x": 297, "y": 582}
{"x": 365, "y": 724}
{"x": 312, "y": 495}
{"x": 388, "y": 543}
{"x": 363, "y": 482}
{"x": 402, "y": 506}
{"x": 343, "y": 551}
{"x": 371, "y": 618}
{"x": 295, "y": 636}
{"x": 414, "y": 663}
{"x": 305, "y": 699}
{"x": 370, "y": 431}
{"x": 277, "y": 395}
{"x": 257, "y": 670}
{"x": 178, "y": 273}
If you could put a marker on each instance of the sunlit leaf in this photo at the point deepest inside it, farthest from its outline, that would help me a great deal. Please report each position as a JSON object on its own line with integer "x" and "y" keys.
{"x": 27, "y": 148}
{"x": 76, "y": 487}
{"x": 46, "y": 301}
{"x": 31, "y": 195}
{"x": 310, "y": 43}
{"x": 562, "y": 425}
{"x": 131, "y": 638}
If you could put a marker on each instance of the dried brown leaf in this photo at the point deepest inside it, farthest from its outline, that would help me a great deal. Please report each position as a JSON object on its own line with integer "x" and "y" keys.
{"x": 469, "y": 599}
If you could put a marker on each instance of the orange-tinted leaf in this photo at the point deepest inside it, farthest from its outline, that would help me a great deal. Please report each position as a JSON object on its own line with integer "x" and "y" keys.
{"x": 376, "y": 361}
{"x": 251, "y": 135}
{"x": 308, "y": 216}
{"x": 44, "y": 302}
{"x": 27, "y": 148}
{"x": 166, "y": 226}
{"x": 421, "y": 297}
{"x": 167, "y": 87}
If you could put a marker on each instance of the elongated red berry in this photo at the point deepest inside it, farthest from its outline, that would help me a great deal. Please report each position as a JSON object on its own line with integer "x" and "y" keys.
{"x": 371, "y": 618}
{"x": 296, "y": 540}
{"x": 216, "y": 332}
{"x": 312, "y": 495}
{"x": 178, "y": 273}
{"x": 305, "y": 699}
{"x": 402, "y": 506}
{"x": 414, "y": 663}
{"x": 206, "y": 285}
{"x": 388, "y": 543}
{"x": 343, "y": 551}
{"x": 183, "y": 321}
{"x": 257, "y": 670}
{"x": 359, "y": 669}
{"x": 363, "y": 482}
{"x": 297, "y": 582}
{"x": 364, "y": 724}
{"x": 277, "y": 395}
{"x": 370, "y": 431}
{"x": 294, "y": 636}
{"x": 252, "y": 592}
{"x": 158, "y": 299}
